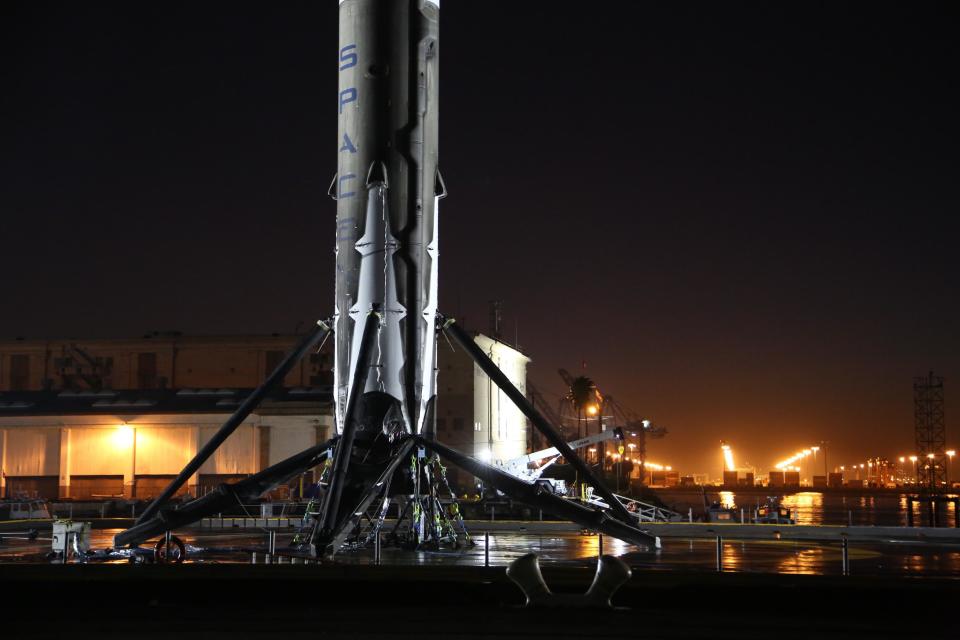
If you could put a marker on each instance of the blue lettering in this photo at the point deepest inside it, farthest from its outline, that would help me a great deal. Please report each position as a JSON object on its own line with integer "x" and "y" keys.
{"x": 347, "y": 95}
{"x": 348, "y": 59}
{"x": 341, "y": 194}
{"x": 347, "y": 144}
{"x": 345, "y": 229}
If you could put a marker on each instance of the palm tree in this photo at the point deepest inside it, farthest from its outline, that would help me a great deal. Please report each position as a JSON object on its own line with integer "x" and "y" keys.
{"x": 585, "y": 398}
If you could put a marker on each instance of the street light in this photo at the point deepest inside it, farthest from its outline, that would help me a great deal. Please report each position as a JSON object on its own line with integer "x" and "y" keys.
{"x": 950, "y": 453}
{"x": 916, "y": 470}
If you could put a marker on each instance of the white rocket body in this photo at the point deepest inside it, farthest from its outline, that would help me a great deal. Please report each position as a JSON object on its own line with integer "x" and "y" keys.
{"x": 387, "y": 195}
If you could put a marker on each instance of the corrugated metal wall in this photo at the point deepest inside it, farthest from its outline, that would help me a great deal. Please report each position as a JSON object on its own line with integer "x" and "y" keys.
{"x": 236, "y": 455}
{"x": 98, "y": 452}
{"x": 288, "y": 441}
{"x": 164, "y": 450}
{"x": 32, "y": 452}
{"x": 93, "y": 456}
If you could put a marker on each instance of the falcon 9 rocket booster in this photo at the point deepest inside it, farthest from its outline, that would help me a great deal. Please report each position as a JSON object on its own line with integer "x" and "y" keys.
{"x": 387, "y": 189}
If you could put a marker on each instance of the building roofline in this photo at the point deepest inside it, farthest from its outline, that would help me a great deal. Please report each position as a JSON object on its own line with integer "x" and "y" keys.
{"x": 500, "y": 341}
{"x": 158, "y": 338}
{"x": 155, "y": 401}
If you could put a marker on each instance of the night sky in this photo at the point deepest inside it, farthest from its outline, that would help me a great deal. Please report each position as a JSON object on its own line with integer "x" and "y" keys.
{"x": 740, "y": 217}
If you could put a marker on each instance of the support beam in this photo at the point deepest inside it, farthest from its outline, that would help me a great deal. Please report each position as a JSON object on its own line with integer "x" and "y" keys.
{"x": 536, "y": 418}
{"x": 225, "y": 496}
{"x": 377, "y": 488}
{"x": 330, "y": 508}
{"x": 65, "y": 460}
{"x": 250, "y": 403}
{"x": 535, "y": 496}
{"x": 3, "y": 463}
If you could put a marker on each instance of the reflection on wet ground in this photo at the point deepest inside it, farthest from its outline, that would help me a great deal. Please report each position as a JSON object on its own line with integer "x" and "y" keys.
{"x": 571, "y": 549}
{"x": 815, "y": 507}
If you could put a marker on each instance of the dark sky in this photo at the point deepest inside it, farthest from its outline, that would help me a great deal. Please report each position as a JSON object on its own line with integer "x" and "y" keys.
{"x": 740, "y": 216}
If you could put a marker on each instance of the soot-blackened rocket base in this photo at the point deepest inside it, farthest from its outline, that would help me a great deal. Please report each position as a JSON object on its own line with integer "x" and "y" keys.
{"x": 387, "y": 189}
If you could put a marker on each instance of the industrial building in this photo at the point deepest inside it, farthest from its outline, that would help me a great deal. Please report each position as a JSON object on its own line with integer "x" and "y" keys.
{"x": 110, "y": 418}
{"x": 473, "y": 414}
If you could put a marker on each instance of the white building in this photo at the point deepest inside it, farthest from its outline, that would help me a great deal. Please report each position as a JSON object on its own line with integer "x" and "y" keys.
{"x": 473, "y": 414}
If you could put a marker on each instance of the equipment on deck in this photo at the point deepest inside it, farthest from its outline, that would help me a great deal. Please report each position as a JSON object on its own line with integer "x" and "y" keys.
{"x": 531, "y": 466}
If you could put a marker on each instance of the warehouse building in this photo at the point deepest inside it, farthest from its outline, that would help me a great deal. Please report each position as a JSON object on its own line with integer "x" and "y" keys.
{"x": 99, "y": 419}
{"x": 120, "y": 418}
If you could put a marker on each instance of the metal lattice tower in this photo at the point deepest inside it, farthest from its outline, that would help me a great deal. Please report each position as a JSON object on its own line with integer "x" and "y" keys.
{"x": 930, "y": 431}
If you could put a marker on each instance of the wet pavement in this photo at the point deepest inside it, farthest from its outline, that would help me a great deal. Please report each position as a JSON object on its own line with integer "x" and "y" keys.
{"x": 888, "y": 558}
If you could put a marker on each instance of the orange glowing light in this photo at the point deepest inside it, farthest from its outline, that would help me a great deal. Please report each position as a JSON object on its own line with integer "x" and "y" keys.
{"x": 123, "y": 437}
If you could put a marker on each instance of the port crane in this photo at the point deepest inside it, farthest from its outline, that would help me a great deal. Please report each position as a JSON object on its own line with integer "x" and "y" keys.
{"x": 635, "y": 427}
{"x": 585, "y": 397}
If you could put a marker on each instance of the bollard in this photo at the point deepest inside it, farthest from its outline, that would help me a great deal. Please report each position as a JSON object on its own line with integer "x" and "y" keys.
{"x": 253, "y": 557}
{"x": 272, "y": 542}
{"x": 611, "y": 574}
{"x": 493, "y": 513}
{"x": 690, "y": 514}
{"x": 743, "y": 518}
{"x": 103, "y": 509}
{"x": 849, "y": 517}
{"x": 267, "y": 558}
{"x": 719, "y": 553}
{"x": 486, "y": 548}
{"x": 845, "y": 556}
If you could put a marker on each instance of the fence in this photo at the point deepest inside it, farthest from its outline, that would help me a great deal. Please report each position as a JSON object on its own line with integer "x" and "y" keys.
{"x": 498, "y": 549}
